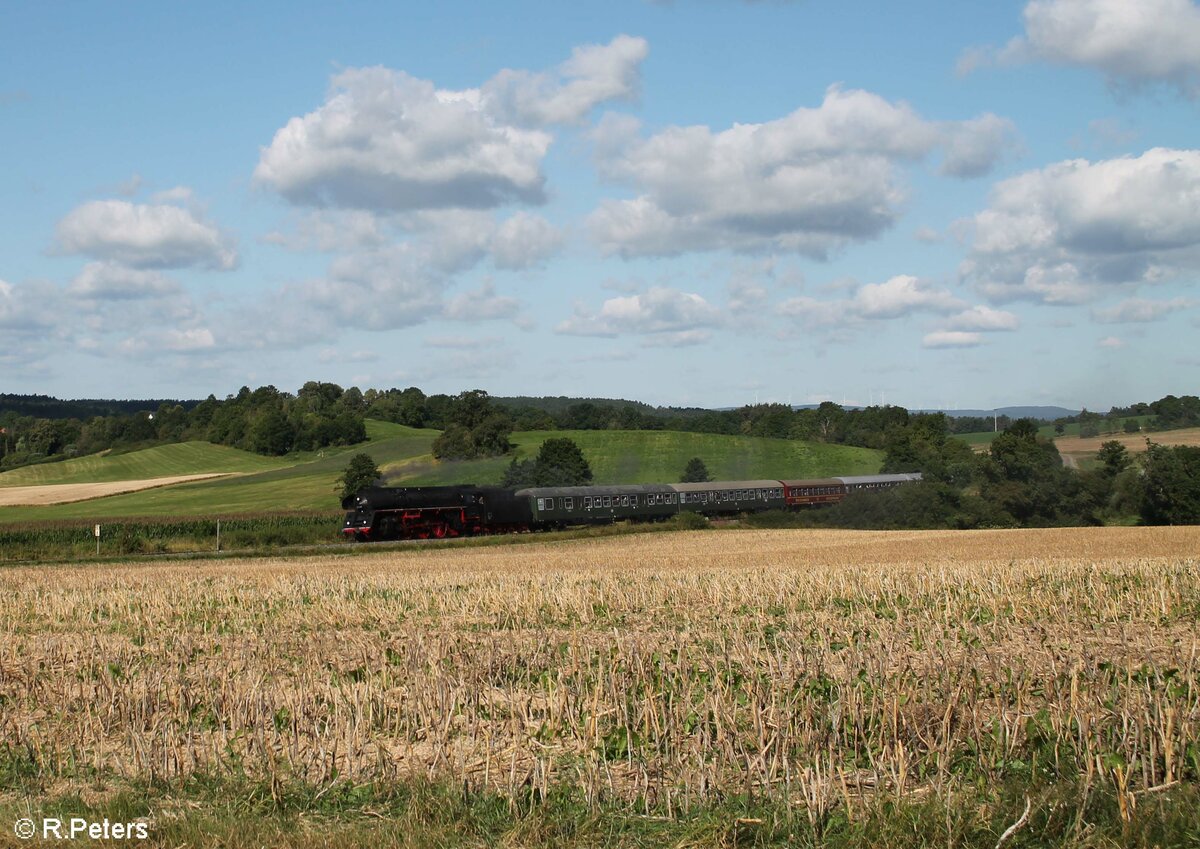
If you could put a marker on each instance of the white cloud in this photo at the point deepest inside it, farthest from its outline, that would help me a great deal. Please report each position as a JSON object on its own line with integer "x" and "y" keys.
{"x": 1139, "y": 310}
{"x": 927, "y": 235}
{"x": 672, "y": 316}
{"x": 524, "y": 241}
{"x": 145, "y": 236}
{"x": 1062, "y": 233}
{"x": 329, "y": 230}
{"x": 898, "y": 297}
{"x": 482, "y": 304}
{"x": 973, "y": 148}
{"x": 387, "y": 141}
{"x": 1111, "y": 342}
{"x": 952, "y": 339}
{"x": 808, "y": 183}
{"x": 902, "y": 295}
{"x": 113, "y": 281}
{"x": 173, "y": 341}
{"x": 1130, "y": 42}
{"x": 983, "y": 318}
{"x": 20, "y": 311}
{"x": 595, "y": 73}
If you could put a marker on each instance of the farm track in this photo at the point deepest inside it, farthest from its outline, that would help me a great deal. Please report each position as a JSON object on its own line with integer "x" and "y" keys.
{"x": 68, "y": 493}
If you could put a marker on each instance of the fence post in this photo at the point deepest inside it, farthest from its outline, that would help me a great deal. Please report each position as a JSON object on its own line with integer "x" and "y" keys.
{"x": 218, "y": 534}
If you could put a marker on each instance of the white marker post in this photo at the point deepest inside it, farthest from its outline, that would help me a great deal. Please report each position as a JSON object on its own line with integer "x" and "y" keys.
{"x": 97, "y": 532}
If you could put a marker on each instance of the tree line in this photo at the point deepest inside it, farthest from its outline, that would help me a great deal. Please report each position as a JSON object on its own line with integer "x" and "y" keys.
{"x": 265, "y": 421}
{"x": 1021, "y": 481}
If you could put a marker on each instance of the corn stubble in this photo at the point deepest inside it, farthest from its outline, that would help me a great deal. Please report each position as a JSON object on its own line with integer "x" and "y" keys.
{"x": 824, "y": 667}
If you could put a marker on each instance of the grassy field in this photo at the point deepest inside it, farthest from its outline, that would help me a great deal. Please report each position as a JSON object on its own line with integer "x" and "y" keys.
{"x": 715, "y": 688}
{"x": 309, "y": 482}
{"x": 984, "y": 438}
{"x": 187, "y": 458}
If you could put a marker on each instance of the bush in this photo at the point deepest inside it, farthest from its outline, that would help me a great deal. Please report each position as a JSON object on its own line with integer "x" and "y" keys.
{"x": 689, "y": 520}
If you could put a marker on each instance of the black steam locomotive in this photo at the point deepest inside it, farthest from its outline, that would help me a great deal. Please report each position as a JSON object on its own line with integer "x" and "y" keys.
{"x": 437, "y": 512}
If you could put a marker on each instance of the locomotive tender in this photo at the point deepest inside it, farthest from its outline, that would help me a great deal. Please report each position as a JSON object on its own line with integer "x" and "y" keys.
{"x": 424, "y": 512}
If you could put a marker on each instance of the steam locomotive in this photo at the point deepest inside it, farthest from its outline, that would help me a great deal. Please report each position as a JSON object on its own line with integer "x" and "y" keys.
{"x": 437, "y": 512}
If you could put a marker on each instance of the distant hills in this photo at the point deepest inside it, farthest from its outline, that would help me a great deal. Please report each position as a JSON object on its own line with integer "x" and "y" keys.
{"x": 44, "y": 406}
{"x": 1047, "y": 413}
{"x": 47, "y": 407}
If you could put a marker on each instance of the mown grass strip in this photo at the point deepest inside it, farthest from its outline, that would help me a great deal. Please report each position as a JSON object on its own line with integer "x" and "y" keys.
{"x": 236, "y": 813}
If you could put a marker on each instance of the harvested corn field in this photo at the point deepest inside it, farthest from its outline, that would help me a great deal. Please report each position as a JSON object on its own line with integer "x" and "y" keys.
{"x": 822, "y": 668}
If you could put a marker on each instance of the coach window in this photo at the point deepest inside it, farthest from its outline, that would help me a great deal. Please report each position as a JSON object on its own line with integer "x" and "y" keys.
{"x": 624, "y": 500}
{"x": 608, "y": 501}
{"x": 568, "y": 503}
{"x": 541, "y": 504}
{"x": 587, "y": 502}
{"x": 633, "y": 501}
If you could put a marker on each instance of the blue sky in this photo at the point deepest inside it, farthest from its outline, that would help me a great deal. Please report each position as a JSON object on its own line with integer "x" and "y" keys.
{"x": 688, "y": 203}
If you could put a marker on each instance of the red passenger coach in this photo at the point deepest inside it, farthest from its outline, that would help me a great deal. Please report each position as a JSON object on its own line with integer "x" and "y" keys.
{"x": 812, "y": 492}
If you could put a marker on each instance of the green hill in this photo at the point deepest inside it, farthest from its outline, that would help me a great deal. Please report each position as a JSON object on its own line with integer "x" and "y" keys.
{"x": 309, "y": 482}
{"x": 637, "y": 456}
{"x": 185, "y": 458}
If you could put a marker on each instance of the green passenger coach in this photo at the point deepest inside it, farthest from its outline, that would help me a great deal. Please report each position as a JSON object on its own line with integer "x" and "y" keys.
{"x": 573, "y": 505}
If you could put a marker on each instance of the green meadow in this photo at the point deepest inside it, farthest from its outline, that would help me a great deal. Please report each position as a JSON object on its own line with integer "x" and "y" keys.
{"x": 309, "y": 482}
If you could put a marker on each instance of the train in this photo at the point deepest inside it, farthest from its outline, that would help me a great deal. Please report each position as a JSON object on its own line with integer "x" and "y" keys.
{"x": 438, "y": 512}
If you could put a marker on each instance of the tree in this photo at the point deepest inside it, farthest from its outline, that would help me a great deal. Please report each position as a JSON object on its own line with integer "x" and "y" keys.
{"x": 454, "y": 443}
{"x": 272, "y": 433}
{"x": 1132, "y": 426}
{"x": 478, "y": 429}
{"x": 560, "y": 462}
{"x": 360, "y": 474}
{"x": 695, "y": 472}
{"x": 520, "y": 473}
{"x": 1113, "y": 457}
{"x": 1172, "y": 486}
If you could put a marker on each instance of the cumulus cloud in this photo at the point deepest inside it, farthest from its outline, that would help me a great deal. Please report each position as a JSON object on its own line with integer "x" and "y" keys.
{"x": 116, "y": 282}
{"x": 453, "y": 239}
{"x": 595, "y": 73}
{"x": 1131, "y": 43}
{"x": 901, "y": 295}
{"x": 1064, "y": 233}
{"x": 670, "y": 316}
{"x": 387, "y": 141}
{"x": 952, "y": 339}
{"x": 983, "y": 318}
{"x": 974, "y": 148}
{"x": 23, "y": 309}
{"x": 808, "y": 183}
{"x": 524, "y": 241}
{"x": 1139, "y": 310}
{"x": 898, "y": 297}
{"x": 145, "y": 236}
{"x": 331, "y": 230}
{"x": 1111, "y": 342}
{"x": 173, "y": 341}
{"x": 482, "y": 304}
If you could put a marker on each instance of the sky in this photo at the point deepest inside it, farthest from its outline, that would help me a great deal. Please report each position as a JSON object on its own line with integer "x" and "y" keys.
{"x": 708, "y": 203}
